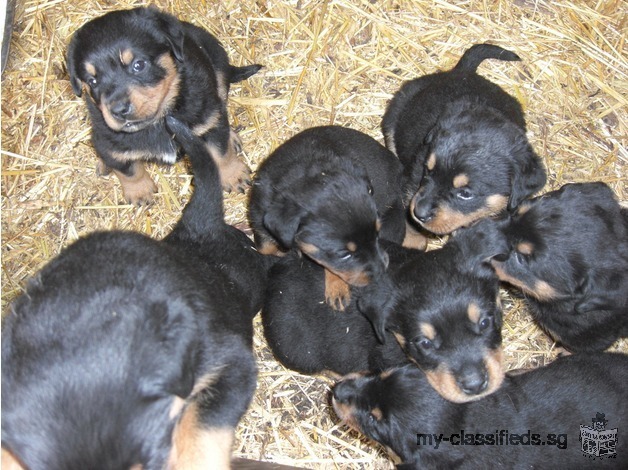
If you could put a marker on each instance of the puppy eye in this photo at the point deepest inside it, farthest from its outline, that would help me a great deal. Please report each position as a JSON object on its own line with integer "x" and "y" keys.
{"x": 484, "y": 324}
{"x": 520, "y": 257}
{"x": 464, "y": 194}
{"x": 92, "y": 82}
{"x": 346, "y": 257}
{"x": 425, "y": 344}
{"x": 138, "y": 65}
{"x": 370, "y": 190}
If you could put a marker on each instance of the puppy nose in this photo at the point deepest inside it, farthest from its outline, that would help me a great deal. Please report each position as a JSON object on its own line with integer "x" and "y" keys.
{"x": 121, "y": 109}
{"x": 423, "y": 214}
{"x": 473, "y": 382}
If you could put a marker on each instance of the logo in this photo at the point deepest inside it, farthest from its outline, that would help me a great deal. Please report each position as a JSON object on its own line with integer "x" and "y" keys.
{"x": 597, "y": 441}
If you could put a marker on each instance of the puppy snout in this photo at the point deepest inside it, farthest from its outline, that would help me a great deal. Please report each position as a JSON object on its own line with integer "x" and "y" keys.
{"x": 473, "y": 381}
{"x": 422, "y": 212}
{"x": 121, "y": 109}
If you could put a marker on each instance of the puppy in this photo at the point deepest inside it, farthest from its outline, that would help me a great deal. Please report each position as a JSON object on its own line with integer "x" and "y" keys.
{"x": 438, "y": 309}
{"x": 568, "y": 253}
{"x": 135, "y": 66}
{"x": 127, "y": 352}
{"x": 307, "y": 335}
{"x": 331, "y": 193}
{"x": 447, "y": 314}
{"x": 462, "y": 142}
{"x": 520, "y": 426}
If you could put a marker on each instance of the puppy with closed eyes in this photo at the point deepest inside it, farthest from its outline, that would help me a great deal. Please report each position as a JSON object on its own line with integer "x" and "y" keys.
{"x": 331, "y": 193}
{"x": 568, "y": 253}
{"x": 462, "y": 142}
{"x": 134, "y": 67}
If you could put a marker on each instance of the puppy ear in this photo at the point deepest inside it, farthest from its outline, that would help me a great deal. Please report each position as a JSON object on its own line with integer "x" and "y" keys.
{"x": 171, "y": 370}
{"x": 595, "y": 296}
{"x": 376, "y": 302}
{"x": 283, "y": 219}
{"x": 72, "y": 66}
{"x": 529, "y": 174}
{"x": 173, "y": 30}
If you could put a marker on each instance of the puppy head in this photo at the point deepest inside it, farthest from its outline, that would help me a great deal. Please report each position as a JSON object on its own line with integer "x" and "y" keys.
{"x": 338, "y": 227}
{"x": 452, "y": 331}
{"x": 127, "y": 62}
{"x": 479, "y": 164}
{"x": 569, "y": 246}
{"x": 389, "y": 408}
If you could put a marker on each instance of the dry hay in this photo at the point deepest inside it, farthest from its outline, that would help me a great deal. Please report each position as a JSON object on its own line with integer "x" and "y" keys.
{"x": 326, "y": 62}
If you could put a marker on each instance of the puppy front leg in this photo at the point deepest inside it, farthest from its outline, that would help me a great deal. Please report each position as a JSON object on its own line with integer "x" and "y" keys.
{"x": 337, "y": 291}
{"x": 137, "y": 185}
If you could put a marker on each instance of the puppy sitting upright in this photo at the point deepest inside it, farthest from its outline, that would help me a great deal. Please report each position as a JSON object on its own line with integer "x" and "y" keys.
{"x": 137, "y": 65}
{"x": 330, "y": 192}
{"x": 462, "y": 142}
{"x": 568, "y": 252}
{"x": 128, "y": 352}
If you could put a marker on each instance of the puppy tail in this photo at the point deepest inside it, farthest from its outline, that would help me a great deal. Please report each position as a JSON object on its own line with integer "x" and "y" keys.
{"x": 205, "y": 208}
{"x": 237, "y": 74}
{"x": 476, "y": 54}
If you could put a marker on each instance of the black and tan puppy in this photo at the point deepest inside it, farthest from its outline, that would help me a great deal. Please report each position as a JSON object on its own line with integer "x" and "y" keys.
{"x": 568, "y": 252}
{"x": 135, "y": 66}
{"x": 441, "y": 307}
{"x": 462, "y": 142}
{"x": 534, "y": 421}
{"x": 307, "y": 335}
{"x": 330, "y": 192}
{"x": 127, "y": 352}
{"x": 447, "y": 314}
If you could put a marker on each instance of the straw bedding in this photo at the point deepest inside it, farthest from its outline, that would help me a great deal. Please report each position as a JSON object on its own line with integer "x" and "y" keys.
{"x": 336, "y": 61}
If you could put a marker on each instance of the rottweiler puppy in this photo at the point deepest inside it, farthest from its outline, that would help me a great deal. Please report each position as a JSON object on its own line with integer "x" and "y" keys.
{"x": 135, "y": 66}
{"x": 533, "y": 421}
{"x": 568, "y": 253}
{"x": 462, "y": 142}
{"x": 128, "y": 352}
{"x": 439, "y": 309}
{"x": 307, "y": 335}
{"x": 447, "y": 314}
{"x": 330, "y": 192}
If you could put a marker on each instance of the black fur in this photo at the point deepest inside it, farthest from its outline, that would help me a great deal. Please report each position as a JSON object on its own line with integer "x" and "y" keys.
{"x": 546, "y": 405}
{"x": 568, "y": 252}
{"x": 126, "y": 54}
{"x": 118, "y": 328}
{"x": 458, "y": 124}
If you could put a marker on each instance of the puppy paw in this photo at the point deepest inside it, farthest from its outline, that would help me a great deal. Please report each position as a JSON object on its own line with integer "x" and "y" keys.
{"x": 102, "y": 169}
{"x": 138, "y": 189}
{"x": 337, "y": 292}
{"x": 414, "y": 239}
{"x": 235, "y": 175}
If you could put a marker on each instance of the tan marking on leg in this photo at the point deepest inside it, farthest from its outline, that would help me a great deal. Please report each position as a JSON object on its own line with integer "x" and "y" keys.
{"x": 389, "y": 139}
{"x": 10, "y": 462}
{"x": 234, "y": 173}
{"x": 196, "y": 447}
{"x": 474, "y": 312}
{"x": 414, "y": 239}
{"x": 139, "y": 188}
{"x": 102, "y": 169}
{"x": 222, "y": 86}
{"x": 269, "y": 247}
{"x": 337, "y": 291}
{"x": 210, "y": 123}
{"x": 541, "y": 290}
